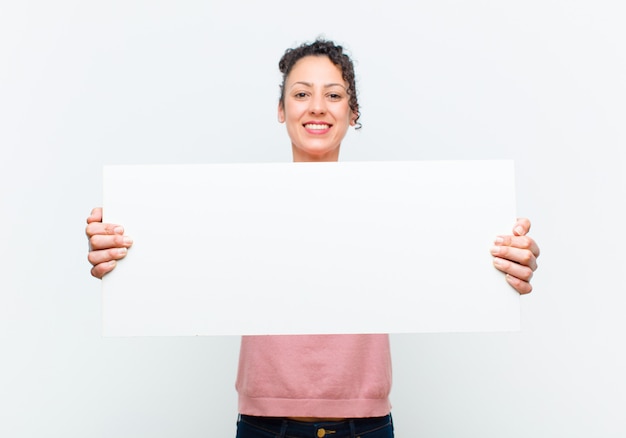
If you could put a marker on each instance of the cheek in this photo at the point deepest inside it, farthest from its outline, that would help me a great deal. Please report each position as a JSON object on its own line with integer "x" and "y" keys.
{"x": 292, "y": 113}
{"x": 344, "y": 112}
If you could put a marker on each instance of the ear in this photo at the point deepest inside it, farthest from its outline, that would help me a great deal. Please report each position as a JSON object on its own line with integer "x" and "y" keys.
{"x": 281, "y": 113}
{"x": 353, "y": 116}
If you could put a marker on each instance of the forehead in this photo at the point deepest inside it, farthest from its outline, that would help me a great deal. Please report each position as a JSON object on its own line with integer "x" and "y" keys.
{"x": 315, "y": 69}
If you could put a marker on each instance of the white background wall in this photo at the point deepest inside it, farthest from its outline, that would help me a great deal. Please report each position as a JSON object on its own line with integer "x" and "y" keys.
{"x": 84, "y": 84}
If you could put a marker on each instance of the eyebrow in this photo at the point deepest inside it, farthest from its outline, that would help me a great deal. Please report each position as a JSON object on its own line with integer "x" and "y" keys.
{"x": 309, "y": 84}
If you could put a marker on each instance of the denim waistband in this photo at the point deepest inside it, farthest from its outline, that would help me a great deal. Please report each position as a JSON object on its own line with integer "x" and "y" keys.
{"x": 330, "y": 429}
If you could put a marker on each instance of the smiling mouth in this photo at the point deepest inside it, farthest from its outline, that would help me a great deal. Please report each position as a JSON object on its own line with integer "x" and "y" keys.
{"x": 317, "y": 126}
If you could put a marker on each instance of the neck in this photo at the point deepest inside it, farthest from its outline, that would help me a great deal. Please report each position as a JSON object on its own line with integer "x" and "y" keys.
{"x": 301, "y": 157}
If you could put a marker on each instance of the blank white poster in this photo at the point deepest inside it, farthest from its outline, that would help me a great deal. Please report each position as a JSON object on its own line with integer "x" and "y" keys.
{"x": 302, "y": 248}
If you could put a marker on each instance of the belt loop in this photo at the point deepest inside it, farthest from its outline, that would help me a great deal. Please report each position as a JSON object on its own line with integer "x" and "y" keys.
{"x": 283, "y": 429}
{"x": 352, "y": 431}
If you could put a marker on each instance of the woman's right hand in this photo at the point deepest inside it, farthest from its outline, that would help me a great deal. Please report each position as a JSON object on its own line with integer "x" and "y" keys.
{"x": 107, "y": 244}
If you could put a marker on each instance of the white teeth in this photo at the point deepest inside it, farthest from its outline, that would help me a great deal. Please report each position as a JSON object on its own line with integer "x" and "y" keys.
{"x": 315, "y": 126}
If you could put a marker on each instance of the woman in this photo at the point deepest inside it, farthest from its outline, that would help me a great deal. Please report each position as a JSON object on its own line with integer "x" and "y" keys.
{"x": 311, "y": 386}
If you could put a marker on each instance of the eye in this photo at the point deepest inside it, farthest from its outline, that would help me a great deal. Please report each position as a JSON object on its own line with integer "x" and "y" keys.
{"x": 300, "y": 95}
{"x": 335, "y": 96}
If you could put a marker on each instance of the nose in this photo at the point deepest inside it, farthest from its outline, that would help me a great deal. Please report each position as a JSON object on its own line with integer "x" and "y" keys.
{"x": 317, "y": 105}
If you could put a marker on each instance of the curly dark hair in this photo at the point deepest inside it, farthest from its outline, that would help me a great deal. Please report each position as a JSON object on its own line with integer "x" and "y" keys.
{"x": 335, "y": 53}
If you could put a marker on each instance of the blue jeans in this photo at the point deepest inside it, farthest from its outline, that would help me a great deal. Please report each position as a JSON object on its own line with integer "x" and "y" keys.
{"x": 268, "y": 427}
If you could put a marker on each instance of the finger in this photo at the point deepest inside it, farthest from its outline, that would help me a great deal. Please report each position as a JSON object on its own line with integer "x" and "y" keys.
{"x": 96, "y": 228}
{"x": 521, "y": 286}
{"x": 102, "y": 269}
{"x": 521, "y": 227}
{"x": 103, "y": 241}
{"x": 95, "y": 215}
{"x": 520, "y": 256}
{"x": 521, "y": 272}
{"x": 522, "y": 242}
{"x": 106, "y": 255}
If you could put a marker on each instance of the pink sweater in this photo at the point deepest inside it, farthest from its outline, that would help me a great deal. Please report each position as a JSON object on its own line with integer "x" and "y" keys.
{"x": 314, "y": 376}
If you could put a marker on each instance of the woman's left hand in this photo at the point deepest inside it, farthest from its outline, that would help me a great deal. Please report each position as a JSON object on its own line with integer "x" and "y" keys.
{"x": 516, "y": 256}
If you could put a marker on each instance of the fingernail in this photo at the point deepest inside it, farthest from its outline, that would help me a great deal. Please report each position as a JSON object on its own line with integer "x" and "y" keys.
{"x": 128, "y": 240}
{"x": 499, "y": 240}
{"x": 495, "y": 250}
{"x": 119, "y": 230}
{"x": 519, "y": 230}
{"x": 497, "y": 261}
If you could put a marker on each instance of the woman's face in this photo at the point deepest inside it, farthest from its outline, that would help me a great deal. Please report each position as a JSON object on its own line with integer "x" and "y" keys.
{"x": 316, "y": 109}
